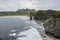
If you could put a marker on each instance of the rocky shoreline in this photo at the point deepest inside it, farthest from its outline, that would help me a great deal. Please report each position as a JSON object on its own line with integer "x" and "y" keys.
{"x": 49, "y": 35}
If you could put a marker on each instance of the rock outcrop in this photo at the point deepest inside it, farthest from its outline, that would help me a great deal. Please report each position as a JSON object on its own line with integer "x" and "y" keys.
{"x": 52, "y": 27}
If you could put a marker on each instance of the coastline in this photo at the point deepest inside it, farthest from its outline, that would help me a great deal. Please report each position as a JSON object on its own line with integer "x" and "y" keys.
{"x": 13, "y": 16}
{"x": 48, "y": 36}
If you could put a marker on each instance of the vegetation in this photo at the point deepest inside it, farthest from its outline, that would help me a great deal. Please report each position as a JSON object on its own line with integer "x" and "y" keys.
{"x": 18, "y": 12}
{"x": 56, "y": 14}
{"x": 11, "y": 13}
{"x": 43, "y": 13}
{"x": 47, "y": 14}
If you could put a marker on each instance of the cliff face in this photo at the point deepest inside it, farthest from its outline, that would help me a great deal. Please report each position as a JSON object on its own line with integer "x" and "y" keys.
{"x": 53, "y": 27}
{"x": 57, "y": 28}
{"x": 51, "y": 20}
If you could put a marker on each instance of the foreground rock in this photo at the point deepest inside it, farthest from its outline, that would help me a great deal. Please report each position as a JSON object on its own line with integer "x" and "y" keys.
{"x": 52, "y": 27}
{"x": 48, "y": 37}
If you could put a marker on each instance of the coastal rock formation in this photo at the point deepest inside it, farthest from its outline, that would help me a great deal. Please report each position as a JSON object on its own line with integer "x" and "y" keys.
{"x": 52, "y": 27}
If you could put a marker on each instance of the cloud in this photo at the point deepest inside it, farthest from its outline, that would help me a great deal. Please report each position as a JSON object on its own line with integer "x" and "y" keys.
{"x": 13, "y": 5}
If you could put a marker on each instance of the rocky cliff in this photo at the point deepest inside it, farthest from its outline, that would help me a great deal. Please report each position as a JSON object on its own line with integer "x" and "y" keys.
{"x": 52, "y": 27}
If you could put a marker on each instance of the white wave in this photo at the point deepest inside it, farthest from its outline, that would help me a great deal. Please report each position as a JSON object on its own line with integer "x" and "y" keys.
{"x": 31, "y": 34}
{"x": 13, "y": 34}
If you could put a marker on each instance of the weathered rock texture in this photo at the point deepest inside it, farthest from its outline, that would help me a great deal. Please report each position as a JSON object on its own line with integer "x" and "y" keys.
{"x": 52, "y": 26}
{"x": 57, "y": 28}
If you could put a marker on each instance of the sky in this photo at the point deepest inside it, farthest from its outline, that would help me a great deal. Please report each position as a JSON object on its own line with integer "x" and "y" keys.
{"x": 13, "y": 5}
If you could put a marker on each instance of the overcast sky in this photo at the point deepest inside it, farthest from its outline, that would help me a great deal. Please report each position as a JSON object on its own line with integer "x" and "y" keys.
{"x": 13, "y": 5}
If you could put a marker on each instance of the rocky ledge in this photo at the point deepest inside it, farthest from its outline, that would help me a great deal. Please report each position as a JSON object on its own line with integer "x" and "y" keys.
{"x": 52, "y": 26}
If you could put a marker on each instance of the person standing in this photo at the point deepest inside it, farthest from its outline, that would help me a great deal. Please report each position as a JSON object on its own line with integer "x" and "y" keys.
{"x": 31, "y": 15}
